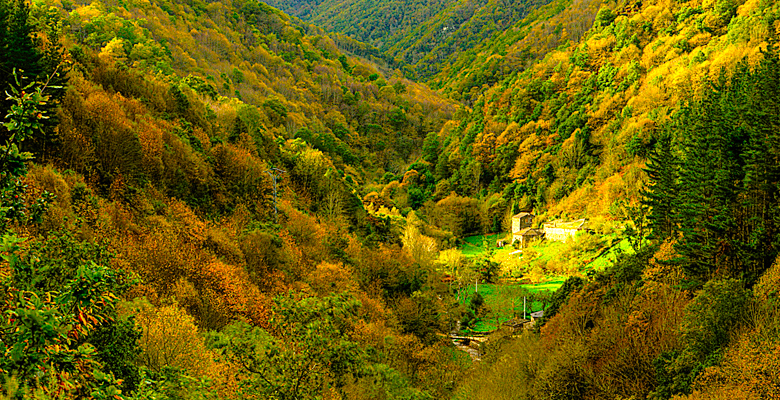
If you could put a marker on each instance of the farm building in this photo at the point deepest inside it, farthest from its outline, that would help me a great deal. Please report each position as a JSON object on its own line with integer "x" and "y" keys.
{"x": 526, "y": 235}
{"x": 563, "y": 231}
{"x": 521, "y": 223}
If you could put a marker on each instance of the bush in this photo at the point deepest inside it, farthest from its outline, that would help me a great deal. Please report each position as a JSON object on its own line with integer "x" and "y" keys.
{"x": 715, "y": 312}
{"x": 605, "y": 17}
{"x": 170, "y": 339}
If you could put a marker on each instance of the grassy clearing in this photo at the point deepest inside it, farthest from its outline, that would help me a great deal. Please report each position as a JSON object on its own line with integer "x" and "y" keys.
{"x": 545, "y": 259}
{"x": 506, "y": 306}
{"x": 474, "y": 246}
{"x": 608, "y": 257}
{"x": 543, "y": 266}
{"x": 551, "y": 285}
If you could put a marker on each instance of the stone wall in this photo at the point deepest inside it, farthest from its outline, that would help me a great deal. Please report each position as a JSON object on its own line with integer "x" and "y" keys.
{"x": 560, "y": 234}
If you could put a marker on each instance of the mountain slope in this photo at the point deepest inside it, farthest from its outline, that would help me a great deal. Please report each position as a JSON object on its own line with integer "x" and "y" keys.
{"x": 662, "y": 114}
{"x": 228, "y": 177}
{"x": 150, "y": 248}
{"x": 425, "y": 36}
{"x": 258, "y": 55}
{"x": 572, "y": 132}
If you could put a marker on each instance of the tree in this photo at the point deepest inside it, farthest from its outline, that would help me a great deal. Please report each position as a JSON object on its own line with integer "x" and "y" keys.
{"x": 662, "y": 192}
{"x": 18, "y": 48}
{"x": 709, "y": 319}
{"x": 419, "y": 315}
{"x": 422, "y": 248}
{"x": 25, "y": 118}
{"x": 44, "y": 339}
{"x": 170, "y": 339}
{"x": 306, "y": 349}
{"x": 508, "y": 302}
{"x": 729, "y": 144}
{"x": 22, "y": 58}
{"x": 453, "y": 263}
{"x": 333, "y": 198}
{"x": 561, "y": 296}
{"x": 475, "y": 310}
{"x": 487, "y": 268}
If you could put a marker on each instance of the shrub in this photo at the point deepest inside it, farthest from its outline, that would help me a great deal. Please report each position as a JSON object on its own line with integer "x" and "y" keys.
{"x": 716, "y": 311}
{"x": 170, "y": 338}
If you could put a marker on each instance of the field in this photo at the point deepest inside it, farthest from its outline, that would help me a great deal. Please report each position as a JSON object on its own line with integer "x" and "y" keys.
{"x": 502, "y": 304}
{"x": 542, "y": 267}
{"x": 475, "y": 245}
{"x": 608, "y": 257}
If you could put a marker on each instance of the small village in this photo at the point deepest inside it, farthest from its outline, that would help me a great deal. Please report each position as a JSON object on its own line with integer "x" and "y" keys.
{"x": 523, "y": 235}
{"x": 557, "y": 230}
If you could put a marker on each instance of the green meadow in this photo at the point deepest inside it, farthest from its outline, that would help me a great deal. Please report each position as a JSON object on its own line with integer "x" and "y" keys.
{"x": 542, "y": 267}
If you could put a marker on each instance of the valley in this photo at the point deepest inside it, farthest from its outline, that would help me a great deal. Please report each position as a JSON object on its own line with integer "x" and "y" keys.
{"x": 307, "y": 199}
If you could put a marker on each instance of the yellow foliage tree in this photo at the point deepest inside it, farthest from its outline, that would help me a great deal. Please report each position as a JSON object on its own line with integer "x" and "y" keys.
{"x": 170, "y": 338}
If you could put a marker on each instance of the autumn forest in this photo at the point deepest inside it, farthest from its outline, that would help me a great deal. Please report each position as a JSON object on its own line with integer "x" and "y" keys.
{"x": 320, "y": 199}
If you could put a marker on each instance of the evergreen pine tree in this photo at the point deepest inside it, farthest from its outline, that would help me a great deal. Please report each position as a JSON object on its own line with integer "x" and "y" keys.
{"x": 34, "y": 59}
{"x": 662, "y": 192}
{"x": 18, "y": 49}
{"x": 756, "y": 241}
{"x": 728, "y": 177}
{"x": 699, "y": 124}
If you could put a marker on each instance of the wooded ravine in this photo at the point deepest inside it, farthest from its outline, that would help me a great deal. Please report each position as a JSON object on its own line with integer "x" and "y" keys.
{"x": 334, "y": 199}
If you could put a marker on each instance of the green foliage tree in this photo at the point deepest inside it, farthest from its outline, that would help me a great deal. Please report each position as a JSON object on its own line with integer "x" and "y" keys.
{"x": 23, "y": 58}
{"x": 24, "y": 119}
{"x": 560, "y": 297}
{"x": 308, "y": 347}
{"x": 487, "y": 268}
{"x": 117, "y": 348}
{"x": 661, "y": 194}
{"x": 419, "y": 315}
{"x": 723, "y": 214}
{"x": 604, "y": 17}
{"x": 45, "y": 337}
{"x": 18, "y": 49}
{"x": 475, "y": 310}
{"x": 716, "y": 311}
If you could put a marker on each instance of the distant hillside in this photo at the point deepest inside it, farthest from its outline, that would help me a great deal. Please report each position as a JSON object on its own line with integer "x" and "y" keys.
{"x": 572, "y": 132}
{"x": 298, "y": 79}
{"x": 426, "y": 37}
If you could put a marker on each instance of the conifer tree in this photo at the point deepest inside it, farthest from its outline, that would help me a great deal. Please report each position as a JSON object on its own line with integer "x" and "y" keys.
{"x": 719, "y": 199}
{"x": 22, "y": 50}
{"x": 17, "y": 45}
{"x": 663, "y": 191}
{"x": 704, "y": 214}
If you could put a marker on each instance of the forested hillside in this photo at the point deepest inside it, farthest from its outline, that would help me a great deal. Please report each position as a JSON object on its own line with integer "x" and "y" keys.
{"x": 424, "y": 39}
{"x": 293, "y": 74}
{"x": 663, "y": 114}
{"x": 573, "y": 132}
{"x": 217, "y": 200}
{"x": 148, "y": 251}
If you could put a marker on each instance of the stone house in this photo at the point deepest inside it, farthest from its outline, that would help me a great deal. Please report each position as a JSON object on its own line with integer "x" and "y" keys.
{"x": 526, "y": 235}
{"x": 537, "y": 315}
{"x": 564, "y": 231}
{"x": 520, "y": 222}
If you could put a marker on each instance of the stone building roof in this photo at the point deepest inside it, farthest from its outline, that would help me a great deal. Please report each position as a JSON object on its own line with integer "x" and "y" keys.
{"x": 529, "y": 232}
{"x": 577, "y": 224}
{"x": 522, "y": 214}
